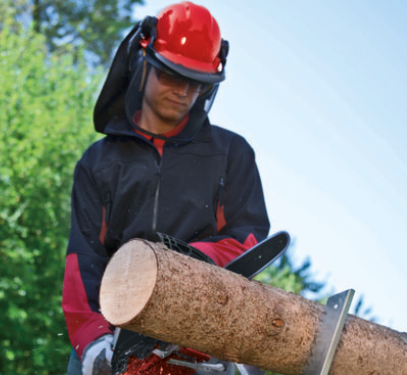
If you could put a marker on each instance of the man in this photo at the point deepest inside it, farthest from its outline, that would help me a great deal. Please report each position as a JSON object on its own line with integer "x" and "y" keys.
{"x": 162, "y": 167}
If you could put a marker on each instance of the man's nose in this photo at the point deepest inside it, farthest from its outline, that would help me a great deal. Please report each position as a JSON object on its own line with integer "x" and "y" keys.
{"x": 182, "y": 88}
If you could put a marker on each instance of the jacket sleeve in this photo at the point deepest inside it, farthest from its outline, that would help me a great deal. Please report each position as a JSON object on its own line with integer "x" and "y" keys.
{"x": 85, "y": 263}
{"x": 241, "y": 213}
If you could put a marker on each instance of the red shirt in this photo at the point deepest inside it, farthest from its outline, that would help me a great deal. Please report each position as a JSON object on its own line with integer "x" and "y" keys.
{"x": 158, "y": 142}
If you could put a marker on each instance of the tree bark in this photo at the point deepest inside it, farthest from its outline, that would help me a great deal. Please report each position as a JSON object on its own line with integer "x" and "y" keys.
{"x": 149, "y": 289}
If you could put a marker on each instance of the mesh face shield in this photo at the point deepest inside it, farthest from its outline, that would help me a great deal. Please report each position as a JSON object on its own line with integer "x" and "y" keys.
{"x": 134, "y": 97}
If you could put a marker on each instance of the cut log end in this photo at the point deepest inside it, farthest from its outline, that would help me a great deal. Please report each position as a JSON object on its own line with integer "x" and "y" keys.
{"x": 133, "y": 272}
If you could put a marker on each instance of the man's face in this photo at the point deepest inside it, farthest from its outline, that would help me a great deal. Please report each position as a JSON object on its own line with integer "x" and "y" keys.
{"x": 168, "y": 96}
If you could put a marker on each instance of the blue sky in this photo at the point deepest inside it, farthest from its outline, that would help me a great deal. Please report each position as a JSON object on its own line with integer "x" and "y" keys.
{"x": 319, "y": 89}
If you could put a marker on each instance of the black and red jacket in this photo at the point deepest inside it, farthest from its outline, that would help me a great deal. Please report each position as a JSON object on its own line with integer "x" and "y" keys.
{"x": 201, "y": 186}
{"x": 206, "y": 192}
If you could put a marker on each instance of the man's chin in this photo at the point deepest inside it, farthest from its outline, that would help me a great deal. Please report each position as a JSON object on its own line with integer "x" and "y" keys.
{"x": 173, "y": 116}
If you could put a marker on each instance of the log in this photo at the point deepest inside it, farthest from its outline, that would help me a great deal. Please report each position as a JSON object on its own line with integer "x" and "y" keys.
{"x": 157, "y": 292}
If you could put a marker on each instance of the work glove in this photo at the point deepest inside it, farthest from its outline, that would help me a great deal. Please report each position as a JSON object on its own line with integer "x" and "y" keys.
{"x": 97, "y": 357}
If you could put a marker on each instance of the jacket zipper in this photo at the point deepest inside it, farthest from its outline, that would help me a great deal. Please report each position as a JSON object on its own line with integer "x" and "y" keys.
{"x": 222, "y": 188}
{"x": 157, "y": 194}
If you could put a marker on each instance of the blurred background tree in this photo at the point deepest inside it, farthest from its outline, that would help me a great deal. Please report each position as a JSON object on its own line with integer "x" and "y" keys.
{"x": 298, "y": 280}
{"x": 93, "y": 26}
{"x": 45, "y": 124}
{"x": 47, "y": 93}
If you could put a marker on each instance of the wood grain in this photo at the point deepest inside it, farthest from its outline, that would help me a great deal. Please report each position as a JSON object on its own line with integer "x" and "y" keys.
{"x": 169, "y": 296}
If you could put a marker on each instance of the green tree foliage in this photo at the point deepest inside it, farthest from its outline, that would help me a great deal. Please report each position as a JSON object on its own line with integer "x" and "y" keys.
{"x": 284, "y": 275}
{"x": 93, "y": 25}
{"x": 360, "y": 310}
{"x": 45, "y": 125}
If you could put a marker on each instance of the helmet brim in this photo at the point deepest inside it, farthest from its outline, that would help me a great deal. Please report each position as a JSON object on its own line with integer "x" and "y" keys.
{"x": 161, "y": 62}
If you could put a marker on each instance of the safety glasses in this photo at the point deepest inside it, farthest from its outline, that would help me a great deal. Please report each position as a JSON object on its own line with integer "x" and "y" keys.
{"x": 174, "y": 80}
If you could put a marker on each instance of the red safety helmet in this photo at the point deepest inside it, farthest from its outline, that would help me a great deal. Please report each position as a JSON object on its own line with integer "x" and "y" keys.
{"x": 185, "y": 38}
